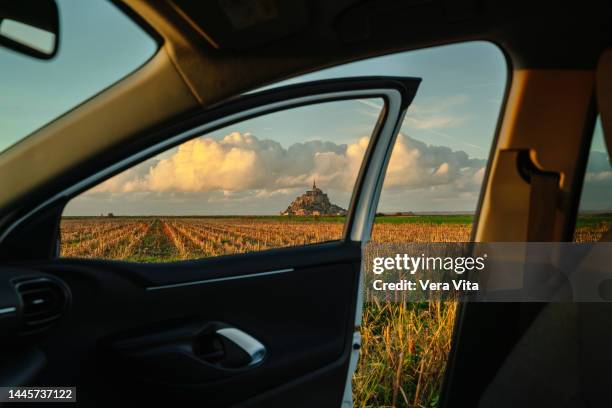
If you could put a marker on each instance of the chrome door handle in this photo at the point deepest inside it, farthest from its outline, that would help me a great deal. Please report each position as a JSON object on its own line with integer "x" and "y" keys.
{"x": 250, "y": 345}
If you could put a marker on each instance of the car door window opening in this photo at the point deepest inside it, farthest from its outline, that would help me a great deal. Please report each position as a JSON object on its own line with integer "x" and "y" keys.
{"x": 252, "y": 185}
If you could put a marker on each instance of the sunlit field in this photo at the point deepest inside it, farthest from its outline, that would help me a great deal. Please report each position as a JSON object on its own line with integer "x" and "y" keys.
{"x": 404, "y": 346}
{"x": 152, "y": 239}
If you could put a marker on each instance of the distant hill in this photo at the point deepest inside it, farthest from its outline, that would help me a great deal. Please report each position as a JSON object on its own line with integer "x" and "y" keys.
{"x": 419, "y": 213}
{"x": 313, "y": 202}
{"x": 396, "y": 214}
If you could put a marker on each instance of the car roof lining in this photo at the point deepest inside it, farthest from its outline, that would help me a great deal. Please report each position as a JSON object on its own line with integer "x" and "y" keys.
{"x": 219, "y": 60}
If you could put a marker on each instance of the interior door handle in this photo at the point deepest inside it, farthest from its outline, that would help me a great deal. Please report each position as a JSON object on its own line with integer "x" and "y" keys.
{"x": 190, "y": 353}
{"x": 250, "y": 345}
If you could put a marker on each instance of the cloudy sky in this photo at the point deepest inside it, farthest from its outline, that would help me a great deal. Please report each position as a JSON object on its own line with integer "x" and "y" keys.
{"x": 597, "y": 188}
{"x": 259, "y": 166}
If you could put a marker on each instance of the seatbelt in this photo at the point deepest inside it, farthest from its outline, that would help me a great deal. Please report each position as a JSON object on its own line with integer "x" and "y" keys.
{"x": 540, "y": 281}
{"x": 544, "y": 194}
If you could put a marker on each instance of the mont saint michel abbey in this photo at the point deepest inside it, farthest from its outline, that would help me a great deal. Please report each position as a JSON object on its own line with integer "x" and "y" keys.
{"x": 313, "y": 202}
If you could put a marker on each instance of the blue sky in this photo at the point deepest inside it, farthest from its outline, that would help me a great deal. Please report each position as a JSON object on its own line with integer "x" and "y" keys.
{"x": 458, "y": 102}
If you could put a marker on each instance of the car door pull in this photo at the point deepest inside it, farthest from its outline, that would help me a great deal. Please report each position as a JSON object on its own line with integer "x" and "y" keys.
{"x": 247, "y": 343}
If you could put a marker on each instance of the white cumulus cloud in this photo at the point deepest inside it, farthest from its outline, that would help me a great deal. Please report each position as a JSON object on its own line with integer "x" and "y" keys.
{"x": 241, "y": 162}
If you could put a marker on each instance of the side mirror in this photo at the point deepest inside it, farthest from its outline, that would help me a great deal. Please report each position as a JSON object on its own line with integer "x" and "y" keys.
{"x": 30, "y": 27}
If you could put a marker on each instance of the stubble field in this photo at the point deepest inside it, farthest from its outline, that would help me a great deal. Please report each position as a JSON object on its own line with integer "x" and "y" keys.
{"x": 404, "y": 346}
{"x": 164, "y": 239}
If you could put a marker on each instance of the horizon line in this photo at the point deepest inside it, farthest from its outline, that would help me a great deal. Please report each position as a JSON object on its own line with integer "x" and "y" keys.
{"x": 390, "y": 213}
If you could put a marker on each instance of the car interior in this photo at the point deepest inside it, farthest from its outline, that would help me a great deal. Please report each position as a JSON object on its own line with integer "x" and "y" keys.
{"x": 246, "y": 330}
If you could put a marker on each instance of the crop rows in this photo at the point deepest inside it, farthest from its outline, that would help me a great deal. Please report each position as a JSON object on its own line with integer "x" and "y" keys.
{"x": 163, "y": 239}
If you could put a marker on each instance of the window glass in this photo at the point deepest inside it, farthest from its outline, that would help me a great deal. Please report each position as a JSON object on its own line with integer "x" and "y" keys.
{"x": 279, "y": 180}
{"x": 595, "y": 209}
{"x": 89, "y": 59}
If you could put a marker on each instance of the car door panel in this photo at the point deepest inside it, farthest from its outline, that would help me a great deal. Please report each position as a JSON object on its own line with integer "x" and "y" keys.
{"x": 310, "y": 335}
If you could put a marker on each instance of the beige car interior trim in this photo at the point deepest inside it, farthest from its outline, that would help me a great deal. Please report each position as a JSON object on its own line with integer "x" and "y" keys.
{"x": 546, "y": 113}
{"x": 95, "y": 126}
{"x": 212, "y": 74}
